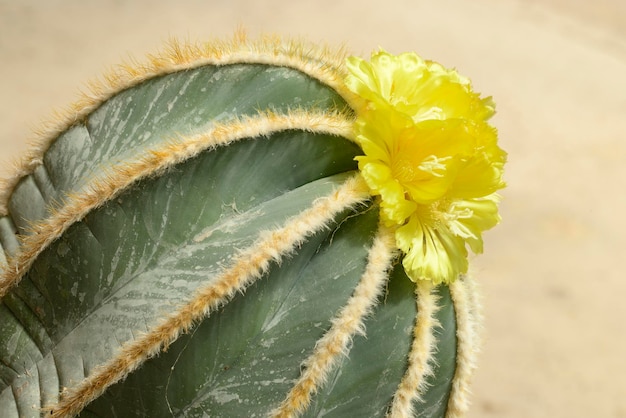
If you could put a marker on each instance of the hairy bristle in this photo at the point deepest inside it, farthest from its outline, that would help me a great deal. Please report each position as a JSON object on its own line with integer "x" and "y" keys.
{"x": 348, "y": 322}
{"x": 118, "y": 178}
{"x": 248, "y": 266}
{"x": 468, "y": 318}
{"x": 421, "y": 355}
{"x": 320, "y": 62}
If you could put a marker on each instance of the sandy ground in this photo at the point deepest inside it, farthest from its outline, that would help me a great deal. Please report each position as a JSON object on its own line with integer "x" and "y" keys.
{"x": 553, "y": 287}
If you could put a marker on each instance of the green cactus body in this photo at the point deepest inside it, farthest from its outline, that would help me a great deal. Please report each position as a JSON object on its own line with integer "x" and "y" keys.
{"x": 194, "y": 240}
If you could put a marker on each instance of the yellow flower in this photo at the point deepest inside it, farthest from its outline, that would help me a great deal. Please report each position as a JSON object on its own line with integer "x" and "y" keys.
{"x": 431, "y": 156}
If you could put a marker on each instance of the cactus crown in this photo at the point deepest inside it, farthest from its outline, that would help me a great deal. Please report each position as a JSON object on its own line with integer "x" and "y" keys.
{"x": 274, "y": 168}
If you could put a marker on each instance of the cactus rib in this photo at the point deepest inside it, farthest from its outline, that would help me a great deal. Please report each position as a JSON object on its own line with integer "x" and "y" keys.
{"x": 120, "y": 177}
{"x": 467, "y": 311}
{"x": 271, "y": 246}
{"x": 345, "y": 325}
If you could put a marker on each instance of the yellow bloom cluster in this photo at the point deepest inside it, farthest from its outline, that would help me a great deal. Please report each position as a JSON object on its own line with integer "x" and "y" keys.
{"x": 431, "y": 156}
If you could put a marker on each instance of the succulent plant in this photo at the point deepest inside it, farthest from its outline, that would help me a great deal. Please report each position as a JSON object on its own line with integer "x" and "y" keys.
{"x": 194, "y": 238}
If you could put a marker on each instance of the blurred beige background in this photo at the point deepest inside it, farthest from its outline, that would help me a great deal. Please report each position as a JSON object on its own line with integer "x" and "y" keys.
{"x": 553, "y": 285}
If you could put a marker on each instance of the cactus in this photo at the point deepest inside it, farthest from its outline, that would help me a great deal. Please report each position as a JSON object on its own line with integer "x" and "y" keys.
{"x": 193, "y": 238}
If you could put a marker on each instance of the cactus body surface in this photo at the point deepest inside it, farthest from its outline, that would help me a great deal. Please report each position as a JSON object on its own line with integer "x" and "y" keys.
{"x": 194, "y": 240}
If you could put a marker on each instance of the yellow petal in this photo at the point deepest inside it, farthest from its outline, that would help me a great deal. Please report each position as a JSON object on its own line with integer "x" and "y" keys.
{"x": 477, "y": 177}
{"x": 431, "y": 254}
{"x": 469, "y": 218}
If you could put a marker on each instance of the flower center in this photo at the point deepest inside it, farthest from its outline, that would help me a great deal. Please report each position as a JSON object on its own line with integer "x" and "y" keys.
{"x": 435, "y": 214}
{"x": 405, "y": 170}
{"x": 415, "y": 166}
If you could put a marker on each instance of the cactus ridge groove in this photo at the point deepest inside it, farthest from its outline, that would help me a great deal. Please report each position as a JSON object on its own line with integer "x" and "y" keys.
{"x": 9, "y": 243}
{"x": 33, "y": 328}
